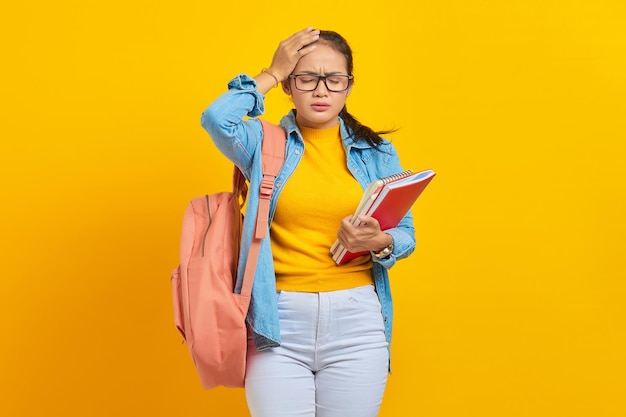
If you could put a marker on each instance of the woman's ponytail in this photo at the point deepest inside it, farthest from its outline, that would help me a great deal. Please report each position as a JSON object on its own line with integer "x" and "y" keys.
{"x": 359, "y": 131}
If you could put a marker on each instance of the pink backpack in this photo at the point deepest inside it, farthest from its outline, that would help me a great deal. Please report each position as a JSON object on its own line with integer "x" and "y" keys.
{"x": 208, "y": 313}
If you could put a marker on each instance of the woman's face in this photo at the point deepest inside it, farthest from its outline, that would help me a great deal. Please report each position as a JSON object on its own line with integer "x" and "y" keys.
{"x": 318, "y": 108}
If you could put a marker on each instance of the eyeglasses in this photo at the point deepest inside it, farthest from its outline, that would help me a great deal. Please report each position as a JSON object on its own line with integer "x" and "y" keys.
{"x": 334, "y": 83}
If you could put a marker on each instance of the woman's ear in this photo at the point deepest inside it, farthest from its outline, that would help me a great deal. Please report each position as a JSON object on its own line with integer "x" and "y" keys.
{"x": 286, "y": 86}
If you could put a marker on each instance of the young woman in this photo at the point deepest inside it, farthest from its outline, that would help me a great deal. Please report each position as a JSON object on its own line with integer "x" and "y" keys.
{"x": 319, "y": 333}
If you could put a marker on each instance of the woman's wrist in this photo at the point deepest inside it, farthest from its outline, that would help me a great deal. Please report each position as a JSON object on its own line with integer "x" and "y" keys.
{"x": 271, "y": 74}
{"x": 386, "y": 241}
{"x": 387, "y": 250}
{"x": 266, "y": 80}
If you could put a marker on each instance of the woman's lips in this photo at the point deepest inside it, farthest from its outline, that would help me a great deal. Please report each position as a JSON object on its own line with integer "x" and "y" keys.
{"x": 320, "y": 106}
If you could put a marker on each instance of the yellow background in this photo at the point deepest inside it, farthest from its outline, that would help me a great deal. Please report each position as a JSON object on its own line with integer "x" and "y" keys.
{"x": 514, "y": 302}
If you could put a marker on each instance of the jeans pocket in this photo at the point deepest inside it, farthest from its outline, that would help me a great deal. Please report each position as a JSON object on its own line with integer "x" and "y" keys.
{"x": 364, "y": 297}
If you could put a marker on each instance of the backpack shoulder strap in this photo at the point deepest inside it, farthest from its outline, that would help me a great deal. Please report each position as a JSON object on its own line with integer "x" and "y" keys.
{"x": 273, "y": 156}
{"x": 273, "y": 148}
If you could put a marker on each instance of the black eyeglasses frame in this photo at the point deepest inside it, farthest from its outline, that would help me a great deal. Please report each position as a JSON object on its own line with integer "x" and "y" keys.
{"x": 321, "y": 78}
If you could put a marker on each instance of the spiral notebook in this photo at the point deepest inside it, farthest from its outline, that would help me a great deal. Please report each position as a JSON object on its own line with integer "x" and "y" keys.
{"x": 388, "y": 200}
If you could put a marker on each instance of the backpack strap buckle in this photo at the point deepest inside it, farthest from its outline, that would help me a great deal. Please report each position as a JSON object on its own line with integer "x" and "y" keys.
{"x": 263, "y": 214}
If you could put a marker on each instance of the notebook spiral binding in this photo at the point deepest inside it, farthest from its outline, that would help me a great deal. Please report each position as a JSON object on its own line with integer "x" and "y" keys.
{"x": 397, "y": 176}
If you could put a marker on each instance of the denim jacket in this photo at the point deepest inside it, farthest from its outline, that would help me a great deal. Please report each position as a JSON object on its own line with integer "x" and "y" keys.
{"x": 240, "y": 141}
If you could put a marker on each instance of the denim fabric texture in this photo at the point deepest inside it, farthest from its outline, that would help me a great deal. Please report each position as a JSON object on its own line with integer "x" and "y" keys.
{"x": 239, "y": 139}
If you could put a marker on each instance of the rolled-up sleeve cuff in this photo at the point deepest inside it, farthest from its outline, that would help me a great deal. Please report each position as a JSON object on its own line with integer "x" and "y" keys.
{"x": 242, "y": 82}
{"x": 247, "y": 84}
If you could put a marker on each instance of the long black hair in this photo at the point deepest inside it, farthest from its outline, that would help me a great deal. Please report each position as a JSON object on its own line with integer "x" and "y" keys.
{"x": 356, "y": 129}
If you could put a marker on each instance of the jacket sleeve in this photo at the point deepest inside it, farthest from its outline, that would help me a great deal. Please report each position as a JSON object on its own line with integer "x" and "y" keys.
{"x": 404, "y": 234}
{"x": 224, "y": 121}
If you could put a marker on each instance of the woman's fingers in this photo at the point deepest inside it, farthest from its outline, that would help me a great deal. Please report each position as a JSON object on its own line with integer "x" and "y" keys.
{"x": 304, "y": 38}
{"x": 290, "y": 51}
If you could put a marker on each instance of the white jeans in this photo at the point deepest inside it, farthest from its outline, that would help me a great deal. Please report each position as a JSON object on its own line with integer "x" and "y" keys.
{"x": 332, "y": 362}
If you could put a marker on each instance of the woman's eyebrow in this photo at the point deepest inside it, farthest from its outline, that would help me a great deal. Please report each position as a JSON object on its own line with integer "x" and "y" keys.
{"x": 326, "y": 73}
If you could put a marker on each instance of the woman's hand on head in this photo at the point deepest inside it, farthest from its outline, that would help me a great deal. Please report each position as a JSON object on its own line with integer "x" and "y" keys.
{"x": 290, "y": 51}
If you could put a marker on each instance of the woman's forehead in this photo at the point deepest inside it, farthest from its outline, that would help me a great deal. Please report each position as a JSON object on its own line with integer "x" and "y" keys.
{"x": 324, "y": 59}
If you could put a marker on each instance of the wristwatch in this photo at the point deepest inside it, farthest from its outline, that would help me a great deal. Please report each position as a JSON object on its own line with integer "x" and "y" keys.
{"x": 386, "y": 252}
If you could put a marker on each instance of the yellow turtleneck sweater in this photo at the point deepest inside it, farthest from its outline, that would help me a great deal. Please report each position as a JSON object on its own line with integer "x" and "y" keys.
{"x": 311, "y": 205}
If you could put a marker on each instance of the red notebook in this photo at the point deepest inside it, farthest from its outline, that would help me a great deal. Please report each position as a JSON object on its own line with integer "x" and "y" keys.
{"x": 388, "y": 200}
